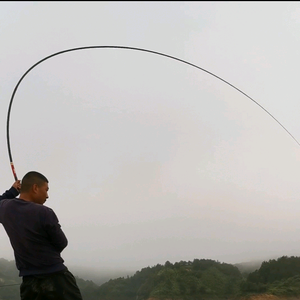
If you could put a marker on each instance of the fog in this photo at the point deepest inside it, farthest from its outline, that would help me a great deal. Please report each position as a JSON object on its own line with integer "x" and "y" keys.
{"x": 148, "y": 159}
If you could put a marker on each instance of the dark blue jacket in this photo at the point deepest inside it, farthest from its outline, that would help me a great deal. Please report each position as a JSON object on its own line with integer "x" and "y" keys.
{"x": 35, "y": 235}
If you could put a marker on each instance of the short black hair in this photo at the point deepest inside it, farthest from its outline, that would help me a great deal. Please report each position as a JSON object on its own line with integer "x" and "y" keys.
{"x": 32, "y": 178}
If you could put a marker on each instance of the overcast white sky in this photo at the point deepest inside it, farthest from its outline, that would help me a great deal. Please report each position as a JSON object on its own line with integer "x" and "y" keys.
{"x": 150, "y": 159}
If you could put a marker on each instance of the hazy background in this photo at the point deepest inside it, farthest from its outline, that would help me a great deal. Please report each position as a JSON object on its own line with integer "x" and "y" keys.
{"x": 150, "y": 159}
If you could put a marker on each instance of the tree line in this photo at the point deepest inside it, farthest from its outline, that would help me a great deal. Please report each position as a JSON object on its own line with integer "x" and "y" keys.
{"x": 200, "y": 279}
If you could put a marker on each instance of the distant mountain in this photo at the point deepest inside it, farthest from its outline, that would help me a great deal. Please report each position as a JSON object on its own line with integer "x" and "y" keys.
{"x": 249, "y": 266}
{"x": 99, "y": 276}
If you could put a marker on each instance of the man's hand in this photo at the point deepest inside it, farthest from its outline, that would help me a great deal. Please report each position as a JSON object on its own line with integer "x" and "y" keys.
{"x": 17, "y": 185}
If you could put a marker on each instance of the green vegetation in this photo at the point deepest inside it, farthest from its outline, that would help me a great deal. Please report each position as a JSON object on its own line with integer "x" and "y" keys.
{"x": 203, "y": 279}
{"x": 279, "y": 277}
{"x": 200, "y": 279}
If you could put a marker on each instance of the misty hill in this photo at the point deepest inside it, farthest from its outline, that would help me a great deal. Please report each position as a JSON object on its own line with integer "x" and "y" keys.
{"x": 248, "y": 267}
{"x": 279, "y": 277}
{"x": 99, "y": 276}
{"x": 203, "y": 279}
{"x": 207, "y": 279}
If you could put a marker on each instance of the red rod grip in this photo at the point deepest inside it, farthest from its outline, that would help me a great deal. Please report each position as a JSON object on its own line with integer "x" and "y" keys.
{"x": 13, "y": 170}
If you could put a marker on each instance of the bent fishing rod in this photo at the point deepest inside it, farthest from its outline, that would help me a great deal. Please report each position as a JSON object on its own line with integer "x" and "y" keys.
{"x": 124, "y": 48}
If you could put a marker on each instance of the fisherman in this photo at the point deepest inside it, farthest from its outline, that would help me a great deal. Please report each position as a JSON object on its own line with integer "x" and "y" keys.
{"x": 37, "y": 240}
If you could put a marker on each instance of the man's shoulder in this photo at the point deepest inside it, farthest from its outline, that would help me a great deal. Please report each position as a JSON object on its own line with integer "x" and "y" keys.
{"x": 17, "y": 202}
{"x": 7, "y": 200}
{"x": 40, "y": 208}
{"x": 46, "y": 209}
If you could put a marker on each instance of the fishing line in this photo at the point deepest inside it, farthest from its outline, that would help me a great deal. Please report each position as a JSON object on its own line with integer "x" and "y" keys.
{"x": 119, "y": 47}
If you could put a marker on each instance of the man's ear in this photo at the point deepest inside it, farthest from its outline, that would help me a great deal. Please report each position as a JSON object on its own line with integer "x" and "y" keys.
{"x": 34, "y": 188}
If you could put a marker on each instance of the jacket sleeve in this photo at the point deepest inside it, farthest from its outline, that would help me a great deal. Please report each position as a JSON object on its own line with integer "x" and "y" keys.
{"x": 53, "y": 229}
{"x": 9, "y": 194}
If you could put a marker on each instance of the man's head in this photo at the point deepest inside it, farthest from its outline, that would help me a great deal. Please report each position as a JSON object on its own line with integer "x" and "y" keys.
{"x": 34, "y": 187}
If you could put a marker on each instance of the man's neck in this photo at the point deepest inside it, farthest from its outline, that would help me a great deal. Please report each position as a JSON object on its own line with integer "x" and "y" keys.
{"x": 26, "y": 197}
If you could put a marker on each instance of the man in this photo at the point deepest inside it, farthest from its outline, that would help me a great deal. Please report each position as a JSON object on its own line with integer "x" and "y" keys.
{"x": 37, "y": 240}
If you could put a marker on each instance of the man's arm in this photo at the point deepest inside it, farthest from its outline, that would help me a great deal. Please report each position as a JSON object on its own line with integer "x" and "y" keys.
{"x": 13, "y": 192}
{"x": 55, "y": 234}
